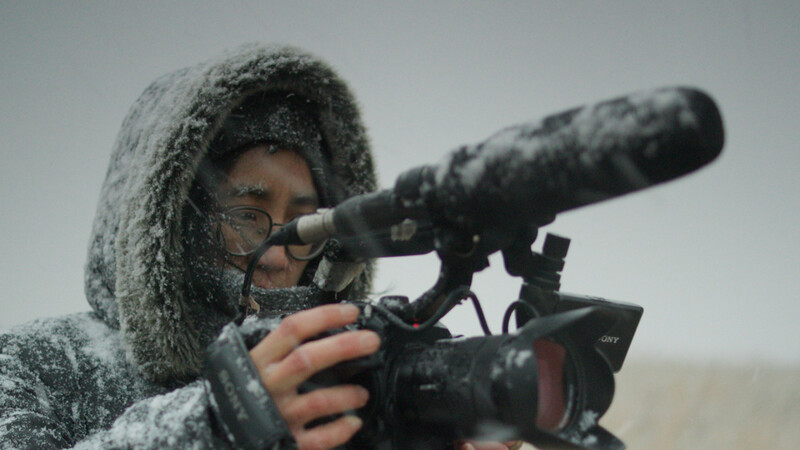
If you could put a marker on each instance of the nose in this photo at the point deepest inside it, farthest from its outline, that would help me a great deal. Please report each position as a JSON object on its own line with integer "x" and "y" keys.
{"x": 275, "y": 258}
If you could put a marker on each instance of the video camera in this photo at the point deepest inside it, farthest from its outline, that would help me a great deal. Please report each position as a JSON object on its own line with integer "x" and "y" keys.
{"x": 549, "y": 381}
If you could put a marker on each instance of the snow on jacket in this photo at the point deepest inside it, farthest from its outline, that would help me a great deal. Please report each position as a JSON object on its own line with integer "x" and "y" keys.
{"x": 127, "y": 374}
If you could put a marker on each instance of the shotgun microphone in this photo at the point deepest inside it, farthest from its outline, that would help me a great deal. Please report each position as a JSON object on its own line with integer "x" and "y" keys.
{"x": 524, "y": 175}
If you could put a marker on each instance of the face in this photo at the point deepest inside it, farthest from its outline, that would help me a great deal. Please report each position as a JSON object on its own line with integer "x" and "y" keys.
{"x": 280, "y": 183}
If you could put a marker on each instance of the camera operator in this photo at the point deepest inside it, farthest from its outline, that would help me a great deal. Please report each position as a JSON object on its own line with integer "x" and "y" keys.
{"x": 209, "y": 160}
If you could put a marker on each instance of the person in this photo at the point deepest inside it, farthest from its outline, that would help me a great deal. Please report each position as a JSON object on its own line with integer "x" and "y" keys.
{"x": 209, "y": 160}
{"x": 129, "y": 373}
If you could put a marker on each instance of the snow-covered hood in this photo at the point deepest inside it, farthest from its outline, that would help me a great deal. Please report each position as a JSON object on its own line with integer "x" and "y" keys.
{"x": 135, "y": 271}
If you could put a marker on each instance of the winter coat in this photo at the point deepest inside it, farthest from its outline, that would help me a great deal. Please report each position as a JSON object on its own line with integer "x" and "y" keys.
{"x": 127, "y": 374}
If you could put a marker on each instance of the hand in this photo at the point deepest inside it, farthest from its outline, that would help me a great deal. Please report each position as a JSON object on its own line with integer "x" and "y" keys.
{"x": 284, "y": 360}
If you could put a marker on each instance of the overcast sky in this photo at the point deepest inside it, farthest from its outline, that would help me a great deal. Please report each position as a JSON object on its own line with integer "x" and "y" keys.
{"x": 712, "y": 257}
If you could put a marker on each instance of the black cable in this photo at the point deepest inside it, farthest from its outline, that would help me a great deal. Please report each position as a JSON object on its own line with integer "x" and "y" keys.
{"x": 452, "y": 297}
{"x": 512, "y": 308}
{"x": 246, "y": 302}
{"x": 479, "y": 312}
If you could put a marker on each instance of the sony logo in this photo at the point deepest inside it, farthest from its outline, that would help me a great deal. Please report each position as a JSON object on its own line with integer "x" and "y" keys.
{"x": 230, "y": 391}
{"x": 609, "y": 339}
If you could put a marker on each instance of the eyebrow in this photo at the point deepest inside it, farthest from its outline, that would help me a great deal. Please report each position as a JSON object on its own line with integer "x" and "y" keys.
{"x": 264, "y": 193}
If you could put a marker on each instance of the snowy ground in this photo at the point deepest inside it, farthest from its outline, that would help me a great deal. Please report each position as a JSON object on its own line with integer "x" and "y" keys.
{"x": 700, "y": 406}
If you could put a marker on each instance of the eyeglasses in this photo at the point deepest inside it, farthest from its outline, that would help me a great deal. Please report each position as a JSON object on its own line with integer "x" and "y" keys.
{"x": 243, "y": 228}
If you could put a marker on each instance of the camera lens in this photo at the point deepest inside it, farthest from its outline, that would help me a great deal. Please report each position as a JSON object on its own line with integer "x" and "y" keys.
{"x": 553, "y": 399}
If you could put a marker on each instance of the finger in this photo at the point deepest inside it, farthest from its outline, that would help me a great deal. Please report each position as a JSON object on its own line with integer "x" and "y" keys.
{"x": 328, "y": 435}
{"x": 299, "y": 327}
{"x": 304, "y": 408}
{"x": 314, "y": 356}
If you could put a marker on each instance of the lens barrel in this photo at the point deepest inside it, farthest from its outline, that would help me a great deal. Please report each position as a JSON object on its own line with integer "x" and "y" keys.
{"x": 545, "y": 383}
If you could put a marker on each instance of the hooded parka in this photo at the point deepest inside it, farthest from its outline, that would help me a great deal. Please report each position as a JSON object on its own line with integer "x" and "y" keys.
{"x": 127, "y": 374}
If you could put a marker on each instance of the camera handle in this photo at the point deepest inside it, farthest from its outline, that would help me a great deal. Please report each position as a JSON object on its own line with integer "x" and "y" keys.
{"x": 541, "y": 275}
{"x": 461, "y": 256}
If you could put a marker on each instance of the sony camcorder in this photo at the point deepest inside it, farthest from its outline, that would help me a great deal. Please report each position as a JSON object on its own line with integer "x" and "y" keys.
{"x": 547, "y": 383}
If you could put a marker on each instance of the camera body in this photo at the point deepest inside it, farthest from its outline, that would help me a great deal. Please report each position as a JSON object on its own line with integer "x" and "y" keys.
{"x": 548, "y": 382}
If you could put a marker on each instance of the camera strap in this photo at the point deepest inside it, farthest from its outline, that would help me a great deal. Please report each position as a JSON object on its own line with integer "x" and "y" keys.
{"x": 238, "y": 398}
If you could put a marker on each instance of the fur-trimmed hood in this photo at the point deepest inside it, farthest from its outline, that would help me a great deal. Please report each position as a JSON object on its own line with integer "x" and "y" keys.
{"x": 135, "y": 277}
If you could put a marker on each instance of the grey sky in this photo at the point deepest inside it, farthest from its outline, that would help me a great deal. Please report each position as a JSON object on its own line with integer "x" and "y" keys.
{"x": 713, "y": 257}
